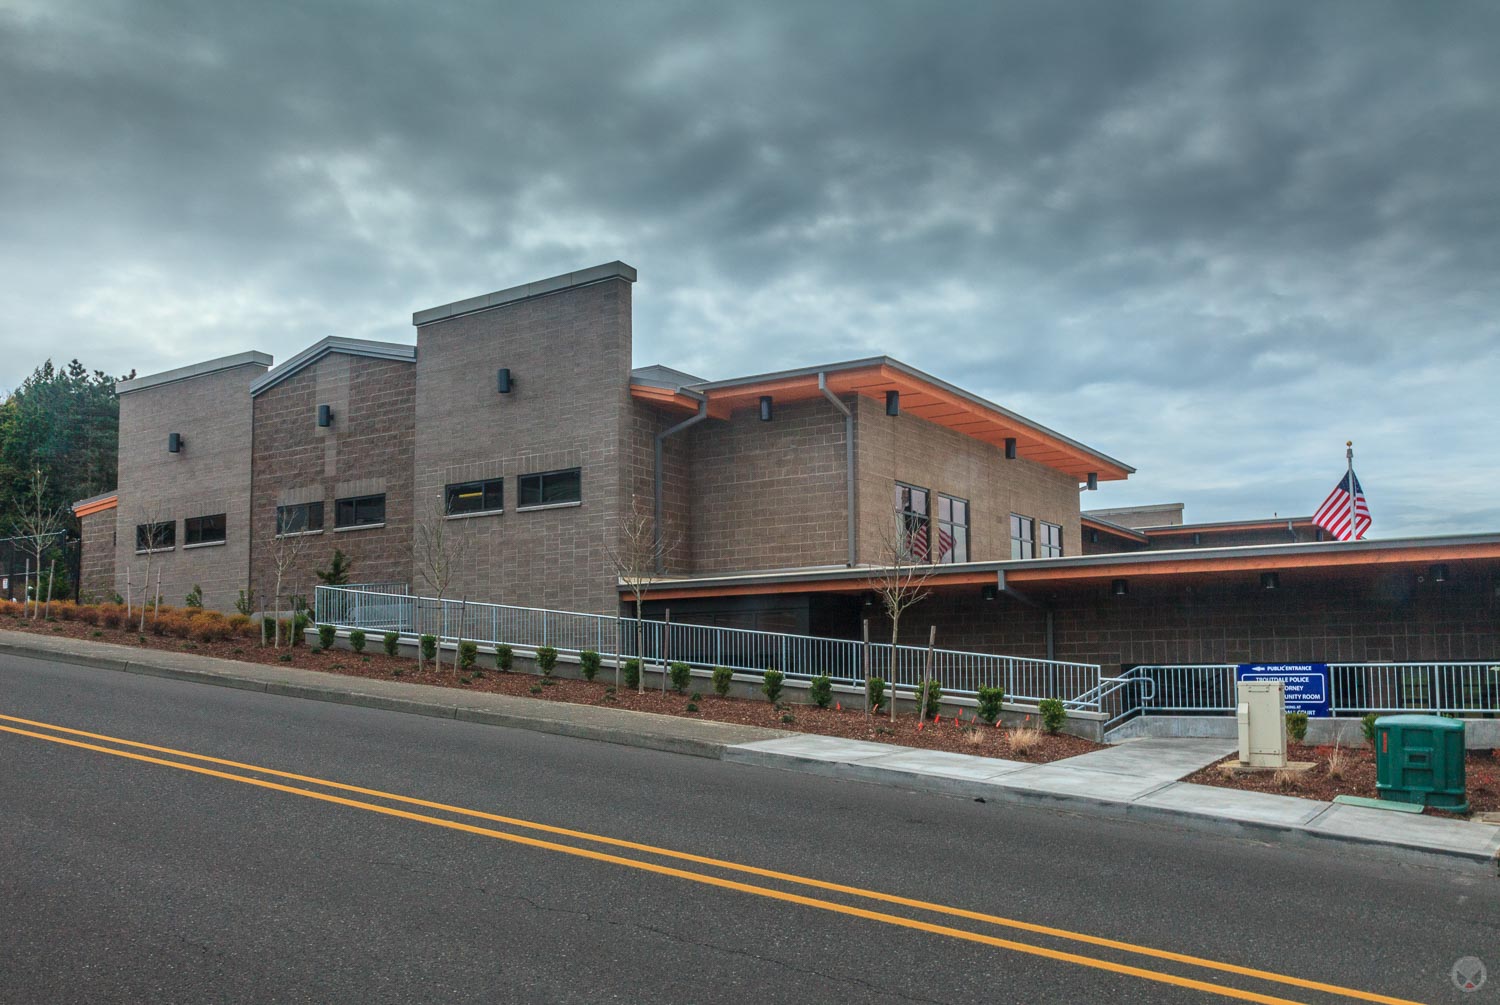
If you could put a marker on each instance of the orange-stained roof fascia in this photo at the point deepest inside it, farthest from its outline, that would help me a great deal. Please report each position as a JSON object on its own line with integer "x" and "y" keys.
{"x": 97, "y": 506}
{"x": 663, "y": 396}
{"x": 1129, "y": 533}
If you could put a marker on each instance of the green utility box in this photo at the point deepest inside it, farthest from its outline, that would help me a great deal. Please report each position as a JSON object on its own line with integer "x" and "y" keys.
{"x": 1420, "y": 759}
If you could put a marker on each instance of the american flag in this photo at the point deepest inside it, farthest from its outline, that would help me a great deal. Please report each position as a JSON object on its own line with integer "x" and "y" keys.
{"x": 1333, "y": 515}
{"x": 919, "y": 540}
{"x": 945, "y": 543}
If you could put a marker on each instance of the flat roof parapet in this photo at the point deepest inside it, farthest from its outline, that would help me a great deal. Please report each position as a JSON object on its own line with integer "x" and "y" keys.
{"x": 526, "y": 291}
{"x": 192, "y": 370}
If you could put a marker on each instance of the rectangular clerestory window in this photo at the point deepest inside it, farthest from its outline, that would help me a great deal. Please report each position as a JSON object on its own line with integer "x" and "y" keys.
{"x": 359, "y": 511}
{"x": 551, "y": 488}
{"x": 474, "y": 497}
{"x": 161, "y": 536}
{"x": 299, "y": 518}
{"x": 205, "y": 530}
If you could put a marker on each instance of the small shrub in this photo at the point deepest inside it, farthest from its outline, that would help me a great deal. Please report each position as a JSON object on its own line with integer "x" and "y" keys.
{"x": 1367, "y": 725}
{"x": 696, "y": 696}
{"x": 65, "y": 610}
{"x": 1053, "y": 714}
{"x": 1284, "y": 780}
{"x": 789, "y": 718}
{"x": 466, "y": 679}
{"x": 88, "y": 615}
{"x": 240, "y": 624}
{"x": 723, "y": 678}
{"x": 991, "y": 700}
{"x": 770, "y": 685}
{"x": 468, "y": 652}
{"x": 178, "y": 625}
{"x": 632, "y": 673}
{"x": 877, "y": 694}
{"x": 536, "y": 689}
{"x": 194, "y": 598}
{"x": 299, "y": 627}
{"x": 682, "y": 676}
{"x": 245, "y": 602}
{"x": 589, "y": 662}
{"x": 357, "y": 640}
{"x": 504, "y": 657}
{"x": 692, "y": 706}
{"x": 326, "y": 635}
{"x": 429, "y": 647}
{"x": 821, "y": 690}
{"x": 1296, "y": 726}
{"x": 96, "y": 633}
{"x": 211, "y": 627}
{"x": 111, "y": 615}
{"x": 286, "y": 657}
{"x": 398, "y": 671}
{"x": 934, "y": 697}
{"x": 546, "y": 659}
{"x": 158, "y": 626}
{"x": 392, "y": 643}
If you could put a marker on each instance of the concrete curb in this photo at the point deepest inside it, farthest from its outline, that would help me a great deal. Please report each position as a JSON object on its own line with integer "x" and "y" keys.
{"x": 668, "y": 736}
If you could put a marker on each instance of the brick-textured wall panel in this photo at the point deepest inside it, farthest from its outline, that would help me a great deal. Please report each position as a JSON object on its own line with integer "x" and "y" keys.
{"x": 96, "y": 564}
{"x": 912, "y": 450}
{"x": 645, "y": 422}
{"x": 1389, "y": 617}
{"x": 368, "y": 449}
{"x": 769, "y": 495}
{"x": 211, "y": 475}
{"x": 569, "y": 353}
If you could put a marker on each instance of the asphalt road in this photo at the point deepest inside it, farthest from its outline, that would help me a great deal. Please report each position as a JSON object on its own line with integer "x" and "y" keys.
{"x": 127, "y": 880}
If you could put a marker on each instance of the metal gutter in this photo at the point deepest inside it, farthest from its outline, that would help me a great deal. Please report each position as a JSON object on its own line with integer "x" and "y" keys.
{"x": 848, "y": 458}
{"x": 660, "y": 559}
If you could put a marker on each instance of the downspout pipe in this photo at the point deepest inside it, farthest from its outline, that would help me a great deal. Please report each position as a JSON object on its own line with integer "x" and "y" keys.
{"x": 660, "y": 560}
{"x": 848, "y": 457}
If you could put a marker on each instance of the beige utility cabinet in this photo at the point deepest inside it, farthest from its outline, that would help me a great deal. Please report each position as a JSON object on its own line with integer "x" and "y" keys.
{"x": 1261, "y": 716}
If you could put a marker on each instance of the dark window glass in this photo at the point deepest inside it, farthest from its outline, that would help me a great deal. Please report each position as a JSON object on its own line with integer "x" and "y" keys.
{"x": 953, "y": 529}
{"x": 204, "y": 529}
{"x": 152, "y": 536}
{"x": 359, "y": 511}
{"x": 912, "y": 512}
{"x": 552, "y": 487}
{"x": 299, "y": 518}
{"x": 475, "y": 497}
{"x": 1051, "y": 543}
{"x": 1022, "y": 537}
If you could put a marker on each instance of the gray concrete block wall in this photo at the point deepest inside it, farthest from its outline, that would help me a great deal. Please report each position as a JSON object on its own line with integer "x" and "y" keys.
{"x": 569, "y": 354}
{"x": 210, "y": 475}
{"x": 96, "y": 566}
{"x": 367, "y": 450}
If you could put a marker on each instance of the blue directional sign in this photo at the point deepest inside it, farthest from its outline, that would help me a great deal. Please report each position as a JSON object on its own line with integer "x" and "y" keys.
{"x": 1306, "y": 684}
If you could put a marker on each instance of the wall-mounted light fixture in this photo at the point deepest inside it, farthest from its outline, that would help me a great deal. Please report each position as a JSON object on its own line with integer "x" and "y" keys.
{"x": 325, "y": 416}
{"x": 502, "y": 380}
{"x": 1119, "y": 587}
{"x": 1439, "y": 573}
{"x": 1010, "y": 448}
{"x": 765, "y": 408}
{"x": 1093, "y": 481}
{"x": 174, "y": 443}
{"x": 989, "y": 592}
{"x": 1270, "y": 581}
{"x": 893, "y": 403}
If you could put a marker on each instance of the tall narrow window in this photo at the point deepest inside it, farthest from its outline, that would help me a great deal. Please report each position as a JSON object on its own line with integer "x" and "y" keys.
{"x": 1051, "y": 544}
{"x": 300, "y": 518}
{"x": 1022, "y": 536}
{"x": 953, "y": 529}
{"x": 205, "y": 530}
{"x": 914, "y": 520}
{"x": 360, "y": 511}
{"x": 551, "y": 488}
{"x": 474, "y": 497}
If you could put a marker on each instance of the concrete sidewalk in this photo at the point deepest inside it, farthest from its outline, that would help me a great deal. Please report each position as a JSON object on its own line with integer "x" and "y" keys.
{"x": 1137, "y": 778}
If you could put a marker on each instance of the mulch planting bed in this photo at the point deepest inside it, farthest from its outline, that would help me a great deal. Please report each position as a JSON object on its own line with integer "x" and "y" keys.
{"x": 1355, "y": 778}
{"x": 968, "y": 736}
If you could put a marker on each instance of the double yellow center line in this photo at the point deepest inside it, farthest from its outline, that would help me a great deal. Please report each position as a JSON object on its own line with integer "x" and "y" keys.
{"x": 857, "y": 893}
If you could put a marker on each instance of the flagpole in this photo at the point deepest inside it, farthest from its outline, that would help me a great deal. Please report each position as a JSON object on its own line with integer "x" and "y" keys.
{"x": 1349, "y": 455}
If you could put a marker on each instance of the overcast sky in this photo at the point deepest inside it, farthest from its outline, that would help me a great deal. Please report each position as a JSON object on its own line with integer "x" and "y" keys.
{"x": 1214, "y": 240}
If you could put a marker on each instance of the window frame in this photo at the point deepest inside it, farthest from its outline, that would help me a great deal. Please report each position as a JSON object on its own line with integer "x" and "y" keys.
{"x": 310, "y": 508}
{"x": 1021, "y": 543}
{"x": 453, "y": 491}
{"x": 169, "y": 543}
{"x": 953, "y": 526}
{"x": 915, "y": 524}
{"x": 355, "y": 504}
{"x": 541, "y": 488}
{"x": 187, "y": 530}
{"x": 1045, "y": 546}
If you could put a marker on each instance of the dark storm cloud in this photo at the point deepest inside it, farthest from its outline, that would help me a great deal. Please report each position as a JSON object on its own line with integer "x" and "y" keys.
{"x": 1213, "y": 239}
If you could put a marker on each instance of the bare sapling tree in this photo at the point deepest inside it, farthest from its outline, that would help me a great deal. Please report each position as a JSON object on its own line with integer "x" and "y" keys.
{"x": 37, "y": 525}
{"x": 639, "y": 557}
{"x": 152, "y": 535}
{"x": 900, "y": 582}
{"x": 288, "y": 545}
{"x": 438, "y": 546}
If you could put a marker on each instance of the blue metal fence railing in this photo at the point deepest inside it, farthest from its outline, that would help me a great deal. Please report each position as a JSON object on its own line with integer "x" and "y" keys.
{"x": 1025, "y": 680}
